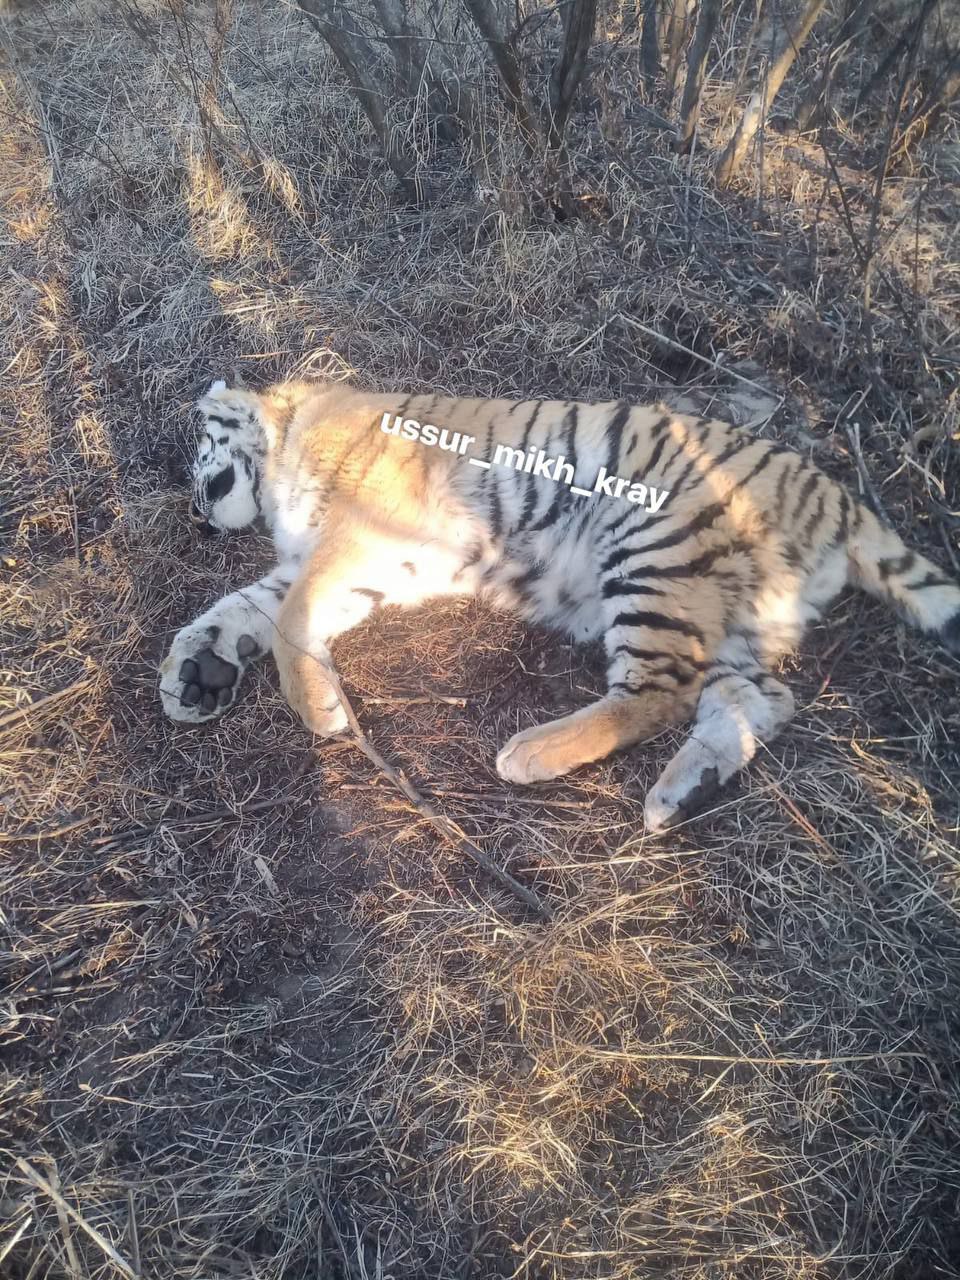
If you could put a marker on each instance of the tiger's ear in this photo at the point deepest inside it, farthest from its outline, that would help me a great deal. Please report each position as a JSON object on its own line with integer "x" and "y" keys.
{"x": 218, "y": 385}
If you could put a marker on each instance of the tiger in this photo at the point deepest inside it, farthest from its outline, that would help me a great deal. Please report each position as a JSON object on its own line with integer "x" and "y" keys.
{"x": 699, "y": 570}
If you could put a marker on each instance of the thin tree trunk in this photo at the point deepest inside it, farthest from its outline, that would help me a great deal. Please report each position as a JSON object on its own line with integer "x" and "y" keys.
{"x": 487, "y": 22}
{"x": 419, "y": 60}
{"x": 579, "y": 20}
{"x": 847, "y": 36}
{"x": 904, "y": 41}
{"x": 649, "y": 49}
{"x": 358, "y": 59}
{"x": 762, "y": 99}
{"x": 674, "y": 35}
{"x": 696, "y": 65}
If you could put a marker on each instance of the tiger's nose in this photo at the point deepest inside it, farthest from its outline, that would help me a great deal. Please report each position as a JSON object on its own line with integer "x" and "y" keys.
{"x": 200, "y": 521}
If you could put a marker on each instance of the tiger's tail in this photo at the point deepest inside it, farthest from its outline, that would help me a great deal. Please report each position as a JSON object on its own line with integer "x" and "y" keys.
{"x": 882, "y": 564}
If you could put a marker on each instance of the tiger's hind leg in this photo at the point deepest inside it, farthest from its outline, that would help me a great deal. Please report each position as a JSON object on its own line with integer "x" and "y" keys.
{"x": 741, "y": 706}
{"x": 656, "y": 664}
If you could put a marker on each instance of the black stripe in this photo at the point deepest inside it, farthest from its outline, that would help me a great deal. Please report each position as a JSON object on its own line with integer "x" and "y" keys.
{"x": 841, "y": 533}
{"x": 703, "y": 520}
{"x": 672, "y": 672}
{"x": 896, "y": 565}
{"x": 496, "y": 509}
{"x": 532, "y": 574}
{"x": 624, "y": 587}
{"x": 475, "y": 556}
{"x": 793, "y": 556}
{"x": 655, "y": 655}
{"x": 731, "y": 674}
{"x": 690, "y": 568}
{"x": 772, "y": 452}
{"x": 221, "y": 484}
{"x": 632, "y": 510}
{"x": 637, "y": 690}
{"x": 658, "y": 449}
{"x": 718, "y": 461}
{"x": 931, "y": 580}
{"x": 781, "y": 490}
{"x": 530, "y": 492}
{"x": 657, "y": 622}
{"x": 673, "y": 457}
{"x": 805, "y": 495}
{"x": 376, "y": 596}
{"x": 702, "y": 433}
{"x": 562, "y": 495}
{"x": 814, "y": 519}
{"x": 613, "y": 433}
{"x": 529, "y": 426}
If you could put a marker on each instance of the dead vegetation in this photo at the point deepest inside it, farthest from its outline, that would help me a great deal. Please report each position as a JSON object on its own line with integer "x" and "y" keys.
{"x": 259, "y": 1019}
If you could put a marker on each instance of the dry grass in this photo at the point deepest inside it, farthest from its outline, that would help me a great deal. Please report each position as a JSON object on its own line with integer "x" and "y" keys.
{"x": 259, "y": 1020}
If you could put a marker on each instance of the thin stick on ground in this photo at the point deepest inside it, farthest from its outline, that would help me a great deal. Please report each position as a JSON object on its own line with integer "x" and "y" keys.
{"x": 695, "y": 355}
{"x": 443, "y": 824}
{"x": 853, "y": 435}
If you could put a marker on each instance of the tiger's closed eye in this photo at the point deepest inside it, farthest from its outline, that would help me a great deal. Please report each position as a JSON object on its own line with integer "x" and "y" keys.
{"x": 221, "y": 484}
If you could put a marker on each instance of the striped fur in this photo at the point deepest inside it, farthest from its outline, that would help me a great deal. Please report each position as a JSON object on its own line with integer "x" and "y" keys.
{"x": 695, "y": 599}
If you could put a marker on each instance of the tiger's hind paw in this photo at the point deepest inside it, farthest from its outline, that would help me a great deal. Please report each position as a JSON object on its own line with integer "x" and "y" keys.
{"x": 200, "y": 676}
{"x": 686, "y": 786}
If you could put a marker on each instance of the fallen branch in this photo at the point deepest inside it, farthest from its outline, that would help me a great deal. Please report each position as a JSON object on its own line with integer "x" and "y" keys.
{"x": 853, "y": 435}
{"x": 444, "y": 825}
{"x": 695, "y": 355}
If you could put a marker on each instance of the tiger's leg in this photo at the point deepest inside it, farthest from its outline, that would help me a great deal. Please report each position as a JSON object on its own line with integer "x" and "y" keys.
{"x": 355, "y": 570}
{"x": 655, "y": 668}
{"x": 741, "y": 706}
{"x": 200, "y": 675}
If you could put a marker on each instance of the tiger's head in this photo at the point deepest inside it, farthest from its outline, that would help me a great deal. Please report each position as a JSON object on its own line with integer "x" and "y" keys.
{"x": 228, "y": 467}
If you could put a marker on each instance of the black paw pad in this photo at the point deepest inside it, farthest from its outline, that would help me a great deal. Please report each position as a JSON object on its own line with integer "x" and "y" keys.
{"x": 214, "y": 673}
{"x": 247, "y": 647}
{"x": 705, "y": 790}
{"x": 208, "y": 681}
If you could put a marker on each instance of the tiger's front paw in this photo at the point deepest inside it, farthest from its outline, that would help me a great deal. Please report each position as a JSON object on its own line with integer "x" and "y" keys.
{"x": 323, "y": 715}
{"x": 200, "y": 675}
{"x": 308, "y": 690}
{"x": 539, "y": 754}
